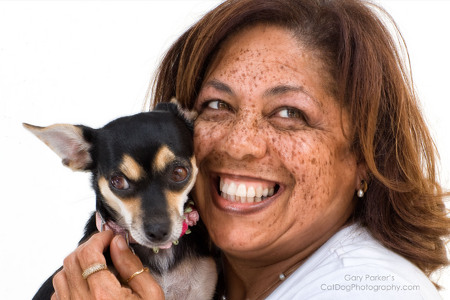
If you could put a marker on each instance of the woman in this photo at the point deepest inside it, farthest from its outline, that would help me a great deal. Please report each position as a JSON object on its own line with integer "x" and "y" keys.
{"x": 317, "y": 172}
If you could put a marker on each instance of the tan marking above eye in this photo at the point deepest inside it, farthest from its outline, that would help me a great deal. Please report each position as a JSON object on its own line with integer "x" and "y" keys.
{"x": 131, "y": 168}
{"x": 162, "y": 158}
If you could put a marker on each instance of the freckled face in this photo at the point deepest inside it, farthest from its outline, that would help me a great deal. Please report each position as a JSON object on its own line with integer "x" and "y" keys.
{"x": 276, "y": 171}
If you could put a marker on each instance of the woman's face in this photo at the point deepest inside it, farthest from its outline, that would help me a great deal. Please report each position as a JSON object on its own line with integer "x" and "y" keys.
{"x": 276, "y": 171}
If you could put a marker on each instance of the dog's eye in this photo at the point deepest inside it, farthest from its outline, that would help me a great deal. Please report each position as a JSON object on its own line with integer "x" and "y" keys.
{"x": 119, "y": 182}
{"x": 179, "y": 174}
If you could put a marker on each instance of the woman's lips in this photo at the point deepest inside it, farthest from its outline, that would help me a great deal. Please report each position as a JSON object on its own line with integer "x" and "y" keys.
{"x": 243, "y": 195}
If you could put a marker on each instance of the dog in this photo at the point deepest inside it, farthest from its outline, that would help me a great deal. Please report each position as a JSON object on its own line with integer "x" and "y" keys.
{"x": 143, "y": 168}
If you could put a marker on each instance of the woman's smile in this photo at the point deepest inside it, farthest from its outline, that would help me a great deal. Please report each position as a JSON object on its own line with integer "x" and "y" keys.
{"x": 242, "y": 194}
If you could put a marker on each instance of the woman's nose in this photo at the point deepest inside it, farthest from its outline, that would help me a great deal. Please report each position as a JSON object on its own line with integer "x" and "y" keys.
{"x": 245, "y": 139}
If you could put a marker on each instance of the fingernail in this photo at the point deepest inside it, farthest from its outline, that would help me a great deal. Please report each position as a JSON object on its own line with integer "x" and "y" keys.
{"x": 121, "y": 243}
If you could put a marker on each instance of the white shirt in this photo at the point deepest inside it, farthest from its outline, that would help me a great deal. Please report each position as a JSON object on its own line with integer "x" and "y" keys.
{"x": 353, "y": 265}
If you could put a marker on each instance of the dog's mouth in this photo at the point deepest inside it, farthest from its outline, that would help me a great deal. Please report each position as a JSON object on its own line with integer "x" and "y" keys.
{"x": 245, "y": 190}
{"x": 190, "y": 218}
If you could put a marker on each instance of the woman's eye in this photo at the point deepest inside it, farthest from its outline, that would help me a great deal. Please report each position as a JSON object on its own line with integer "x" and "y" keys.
{"x": 214, "y": 110}
{"x": 291, "y": 113}
{"x": 289, "y": 118}
{"x": 119, "y": 182}
{"x": 179, "y": 174}
{"x": 217, "y": 104}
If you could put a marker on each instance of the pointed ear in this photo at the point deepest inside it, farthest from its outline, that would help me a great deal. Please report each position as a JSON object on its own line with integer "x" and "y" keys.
{"x": 173, "y": 106}
{"x": 189, "y": 115}
{"x": 68, "y": 142}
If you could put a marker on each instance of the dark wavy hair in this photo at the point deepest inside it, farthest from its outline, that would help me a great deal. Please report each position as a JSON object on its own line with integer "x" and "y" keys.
{"x": 368, "y": 73}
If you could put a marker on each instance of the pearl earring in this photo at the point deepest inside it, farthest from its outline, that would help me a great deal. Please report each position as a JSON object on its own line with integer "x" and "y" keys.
{"x": 362, "y": 189}
{"x": 360, "y": 193}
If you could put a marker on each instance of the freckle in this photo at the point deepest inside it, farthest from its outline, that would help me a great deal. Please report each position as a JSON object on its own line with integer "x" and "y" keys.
{"x": 313, "y": 161}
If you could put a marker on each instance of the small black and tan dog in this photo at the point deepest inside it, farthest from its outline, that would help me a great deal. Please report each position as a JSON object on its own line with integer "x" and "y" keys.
{"x": 143, "y": 168}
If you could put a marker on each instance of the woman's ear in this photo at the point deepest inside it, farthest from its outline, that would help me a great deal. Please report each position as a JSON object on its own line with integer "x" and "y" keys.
{"x": 362, "y": 176}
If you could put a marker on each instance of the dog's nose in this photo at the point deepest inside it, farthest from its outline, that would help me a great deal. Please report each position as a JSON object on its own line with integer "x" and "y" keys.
{"x": 158, "y": 232}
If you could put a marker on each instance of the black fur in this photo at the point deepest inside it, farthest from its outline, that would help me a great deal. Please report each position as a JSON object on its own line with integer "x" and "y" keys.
{"x": 140, "y": 136}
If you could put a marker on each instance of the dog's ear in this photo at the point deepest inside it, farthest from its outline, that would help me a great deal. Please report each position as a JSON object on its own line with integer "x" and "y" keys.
{"x": 189, "y": 115}
{"x": 68, "y": 141}
{"x": 173, "y": 106}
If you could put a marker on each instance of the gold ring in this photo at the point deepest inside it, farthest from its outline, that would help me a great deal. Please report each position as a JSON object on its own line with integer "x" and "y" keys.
{"x": 137, "y": 273}
{"x": 93, "y": 269}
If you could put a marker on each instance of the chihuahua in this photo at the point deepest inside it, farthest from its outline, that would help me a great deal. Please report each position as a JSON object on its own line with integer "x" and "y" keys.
{"x": 143, "y": 168}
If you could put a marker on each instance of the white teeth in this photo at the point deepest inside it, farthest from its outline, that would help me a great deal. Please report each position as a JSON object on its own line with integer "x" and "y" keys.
{"x": 231, "y": 189}
{"x": 224, "y": 188}
{"x": 239, "y": 192}
{"x": 251, "y": 192}
{"x": 259, "y": 192}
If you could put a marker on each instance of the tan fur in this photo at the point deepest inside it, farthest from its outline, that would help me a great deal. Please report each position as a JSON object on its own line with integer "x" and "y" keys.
{"x": 199, "y": 283}
{"x": 188, "y": 114}
{"x": 162, "y": 158}
{"x": 131, "y": 169}
{"x": 129, "y": 208}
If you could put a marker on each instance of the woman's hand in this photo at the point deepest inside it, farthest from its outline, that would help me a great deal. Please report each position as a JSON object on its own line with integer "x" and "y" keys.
{"x": 69, "y": 283}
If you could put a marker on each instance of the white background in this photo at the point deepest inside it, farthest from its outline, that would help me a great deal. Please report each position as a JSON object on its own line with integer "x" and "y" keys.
{"x": 89, "y": 62}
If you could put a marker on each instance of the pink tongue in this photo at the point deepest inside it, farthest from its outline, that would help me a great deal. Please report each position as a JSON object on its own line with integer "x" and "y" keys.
{"x": 166, "y": 246}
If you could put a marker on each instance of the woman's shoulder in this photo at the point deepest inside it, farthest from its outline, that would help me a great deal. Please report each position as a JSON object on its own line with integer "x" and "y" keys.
{"x": 353, "y": 265}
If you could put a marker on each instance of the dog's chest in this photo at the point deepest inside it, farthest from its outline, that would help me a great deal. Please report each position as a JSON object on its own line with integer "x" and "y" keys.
{"x": 193, "y": 279}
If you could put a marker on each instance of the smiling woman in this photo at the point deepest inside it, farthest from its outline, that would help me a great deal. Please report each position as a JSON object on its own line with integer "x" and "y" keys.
{"x": 259, "y": 128}
{"x": 317, "y": 173}
{"x": 260, "y": 134}
{"x": 310, "y": 99}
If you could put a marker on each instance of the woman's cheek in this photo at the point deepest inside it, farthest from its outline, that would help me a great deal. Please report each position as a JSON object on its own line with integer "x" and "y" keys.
{"x": 206, "y": 136}
{"x": 203, "y": 136}
{"x": 308, "y": 161}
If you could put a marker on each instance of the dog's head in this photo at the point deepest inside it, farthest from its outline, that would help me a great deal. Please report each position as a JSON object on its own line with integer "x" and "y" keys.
{"x": 143, "y": 168}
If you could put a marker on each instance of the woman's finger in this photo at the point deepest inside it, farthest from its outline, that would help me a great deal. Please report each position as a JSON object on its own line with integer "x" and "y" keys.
{"x": 91, "y": 252}
{"x": 127, "y": 264}
{"x": 85, "y": 256}
{"x": 60, "y": 285}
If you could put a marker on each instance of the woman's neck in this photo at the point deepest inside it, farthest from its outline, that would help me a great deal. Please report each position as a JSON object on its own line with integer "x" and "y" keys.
{"x": 257, "y": 276}
{"x": 244, "y": 280}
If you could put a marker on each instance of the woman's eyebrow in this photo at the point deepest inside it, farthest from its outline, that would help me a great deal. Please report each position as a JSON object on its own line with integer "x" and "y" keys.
{"x": 284, "y": 89}
{"x": 220, "y": 86}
